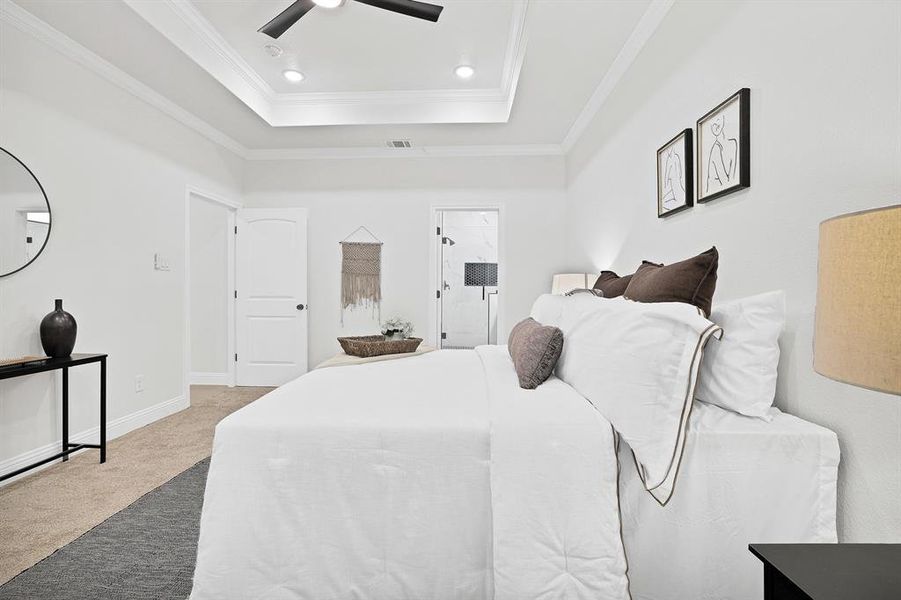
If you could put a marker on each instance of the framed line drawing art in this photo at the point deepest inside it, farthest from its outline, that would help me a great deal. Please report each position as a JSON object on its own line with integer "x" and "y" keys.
{"x": 723, "y": 147}
{"x": 674, "y": 175}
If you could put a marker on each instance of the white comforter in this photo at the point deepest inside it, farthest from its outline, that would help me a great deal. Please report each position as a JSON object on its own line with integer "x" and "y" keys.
{"x": 433, "y": 477}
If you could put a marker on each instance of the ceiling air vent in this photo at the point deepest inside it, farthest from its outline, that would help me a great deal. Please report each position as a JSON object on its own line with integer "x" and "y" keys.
{"x": 399, "y": 144}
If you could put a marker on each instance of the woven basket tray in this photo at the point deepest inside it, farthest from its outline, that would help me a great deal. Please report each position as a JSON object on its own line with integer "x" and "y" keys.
{"x": 376, "y": 345}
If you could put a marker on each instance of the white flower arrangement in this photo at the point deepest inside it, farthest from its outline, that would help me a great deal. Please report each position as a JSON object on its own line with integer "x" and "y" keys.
{"x": 397, "y": 327}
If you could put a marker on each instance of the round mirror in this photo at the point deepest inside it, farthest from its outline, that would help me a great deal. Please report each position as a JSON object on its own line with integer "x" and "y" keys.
{"x": 24, "y": 215}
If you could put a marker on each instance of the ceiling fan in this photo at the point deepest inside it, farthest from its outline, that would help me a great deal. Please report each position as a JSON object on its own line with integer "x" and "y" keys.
{"x": 288, "y": 17}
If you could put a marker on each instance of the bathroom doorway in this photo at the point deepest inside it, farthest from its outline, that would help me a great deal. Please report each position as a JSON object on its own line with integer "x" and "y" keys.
{"x": 468, "y": 268}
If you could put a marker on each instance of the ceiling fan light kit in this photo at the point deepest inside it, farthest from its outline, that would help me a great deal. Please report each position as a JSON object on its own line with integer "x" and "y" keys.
{"x": 291, "y": 15}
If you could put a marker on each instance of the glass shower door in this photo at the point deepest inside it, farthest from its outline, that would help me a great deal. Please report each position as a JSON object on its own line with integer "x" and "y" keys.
{"x": 468, "y": 278}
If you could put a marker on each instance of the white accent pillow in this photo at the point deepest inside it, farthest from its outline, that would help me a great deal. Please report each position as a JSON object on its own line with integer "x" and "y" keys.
{"x": 637, "y": 363}
{"x": 739, "y": 370}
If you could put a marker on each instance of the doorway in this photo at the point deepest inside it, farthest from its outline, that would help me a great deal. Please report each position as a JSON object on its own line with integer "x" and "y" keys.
{"x": 468, "y": 270}
{"x": 210, "y": 273}
{"x": 245, "y": 293}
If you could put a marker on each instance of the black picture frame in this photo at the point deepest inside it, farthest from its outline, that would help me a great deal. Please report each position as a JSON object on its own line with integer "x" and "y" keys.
{"x": 49, "y": 215}
{"x": 707, "y": 172}
{"x": 683, "y": 161}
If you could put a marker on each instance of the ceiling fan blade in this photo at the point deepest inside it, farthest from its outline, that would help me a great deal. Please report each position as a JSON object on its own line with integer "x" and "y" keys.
{"x": 285, "y": 19}
{"x": 411, "y": 8}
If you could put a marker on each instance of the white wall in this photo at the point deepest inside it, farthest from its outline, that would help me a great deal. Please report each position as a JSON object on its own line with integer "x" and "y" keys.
{"x": 210, "y": 296}
{"x": 115, "y": 171}
{"x": 825, "y": 133}
{"x": 393, "y": 198}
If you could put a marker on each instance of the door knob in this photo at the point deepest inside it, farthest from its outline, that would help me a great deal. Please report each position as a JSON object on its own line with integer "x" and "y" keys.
{"x": 300, "y": 307}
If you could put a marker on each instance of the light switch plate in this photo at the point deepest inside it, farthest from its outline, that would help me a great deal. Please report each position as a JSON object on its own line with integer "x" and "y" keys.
{"x": 160, "y": 262}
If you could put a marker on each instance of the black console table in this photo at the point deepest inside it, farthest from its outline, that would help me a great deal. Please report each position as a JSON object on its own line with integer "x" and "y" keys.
{"x": 830, "y": 571}
{"x": 63, "y": 364}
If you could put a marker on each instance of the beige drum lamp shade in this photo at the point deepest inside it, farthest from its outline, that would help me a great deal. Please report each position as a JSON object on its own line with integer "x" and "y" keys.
{"x": 567, "y": 282}
{"x": 858, "y": 314}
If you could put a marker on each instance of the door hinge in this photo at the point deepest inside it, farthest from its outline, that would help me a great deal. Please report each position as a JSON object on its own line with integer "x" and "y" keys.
{"x": 438, "y": 231}
{"x": 437, "y": 293}
{"x": 236, "y": 293}
{"x": 443, "y": 335}
{"x": 236, "y": 357}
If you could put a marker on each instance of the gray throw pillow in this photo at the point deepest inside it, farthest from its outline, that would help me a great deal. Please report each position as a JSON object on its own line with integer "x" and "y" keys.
{"x": 535, "y": 349}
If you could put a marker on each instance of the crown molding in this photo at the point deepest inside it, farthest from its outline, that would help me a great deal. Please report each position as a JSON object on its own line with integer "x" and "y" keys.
{"x": 27, "y": 23}
{"x": 517, "y": 41}
{"x": 180, "y": 23}
{"x": 24, "y": 21}
{"x": 637, "y": 40}
{"x": 190, "y": 31}
{"x": 422, "y": 152}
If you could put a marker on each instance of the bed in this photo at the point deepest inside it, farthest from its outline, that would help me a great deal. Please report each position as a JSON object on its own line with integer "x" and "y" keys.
{"x": 426, "y": 489}
{"x": 438, "y": 477}
{"x": 742, "y": 480}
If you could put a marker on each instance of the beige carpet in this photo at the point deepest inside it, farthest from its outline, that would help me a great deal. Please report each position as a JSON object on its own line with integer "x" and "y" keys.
{"x": 45, "y": 511}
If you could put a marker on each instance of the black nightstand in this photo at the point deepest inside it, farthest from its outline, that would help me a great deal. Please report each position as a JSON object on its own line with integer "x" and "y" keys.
{"x": 830, "y": 571}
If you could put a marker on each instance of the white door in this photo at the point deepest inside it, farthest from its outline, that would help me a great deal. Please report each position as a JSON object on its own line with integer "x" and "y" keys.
{"x": 271, "y": 295}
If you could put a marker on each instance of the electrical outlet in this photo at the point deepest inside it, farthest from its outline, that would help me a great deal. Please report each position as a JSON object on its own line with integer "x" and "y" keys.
{"x": 139, "y": 384}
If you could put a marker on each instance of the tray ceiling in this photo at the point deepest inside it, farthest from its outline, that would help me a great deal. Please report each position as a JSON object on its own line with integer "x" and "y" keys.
{"x": 362, "y": 65}
{"x": 577, "y": 51}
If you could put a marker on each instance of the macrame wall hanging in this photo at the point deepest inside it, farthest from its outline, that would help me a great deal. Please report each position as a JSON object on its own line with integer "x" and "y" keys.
{"x": 361, "y": 274}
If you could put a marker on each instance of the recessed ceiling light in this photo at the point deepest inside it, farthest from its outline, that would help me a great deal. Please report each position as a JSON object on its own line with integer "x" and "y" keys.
{"x": 273, "y": 50}
{"x": 292, "y": 75}
{"x": 328, "y": 3}
{"x": 464, "y": 71}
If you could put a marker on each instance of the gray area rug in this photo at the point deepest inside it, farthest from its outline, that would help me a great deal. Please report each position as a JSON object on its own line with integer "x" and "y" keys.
{"x": 145, "y": 551}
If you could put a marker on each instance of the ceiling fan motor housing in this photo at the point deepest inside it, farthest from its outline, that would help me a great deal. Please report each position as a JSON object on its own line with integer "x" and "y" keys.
{"x": 291, "y": 15}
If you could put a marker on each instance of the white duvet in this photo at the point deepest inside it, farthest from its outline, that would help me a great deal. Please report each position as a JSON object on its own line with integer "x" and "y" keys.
{"x": 429, "y": 478}
{"x": 436, "y": 477}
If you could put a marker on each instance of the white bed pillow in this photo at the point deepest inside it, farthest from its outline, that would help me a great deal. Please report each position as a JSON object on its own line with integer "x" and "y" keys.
{"x": 637, "y": 363}
{"x": 739, "y": 370}
{"x": 548, "y": 309}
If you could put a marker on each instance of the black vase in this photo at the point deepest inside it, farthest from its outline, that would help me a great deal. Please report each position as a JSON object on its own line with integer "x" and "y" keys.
{"x": 58, "y": 331}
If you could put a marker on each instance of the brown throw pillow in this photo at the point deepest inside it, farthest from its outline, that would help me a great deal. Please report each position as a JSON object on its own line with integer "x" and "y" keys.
{"x": 612, "y": 284}
{"x": 535, "y": 349}
{"x": 692, "y": 281}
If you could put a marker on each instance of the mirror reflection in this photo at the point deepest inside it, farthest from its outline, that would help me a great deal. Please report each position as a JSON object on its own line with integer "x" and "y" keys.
{"x": 24, "y": 215}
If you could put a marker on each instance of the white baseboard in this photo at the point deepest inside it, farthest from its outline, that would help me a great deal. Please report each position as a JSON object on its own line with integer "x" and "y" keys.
{"x": 209, "y": 378}
{"x": 114, "y": 429}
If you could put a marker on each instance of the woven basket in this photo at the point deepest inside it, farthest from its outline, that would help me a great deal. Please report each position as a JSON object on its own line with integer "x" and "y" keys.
{"x": 376, "y": 345}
